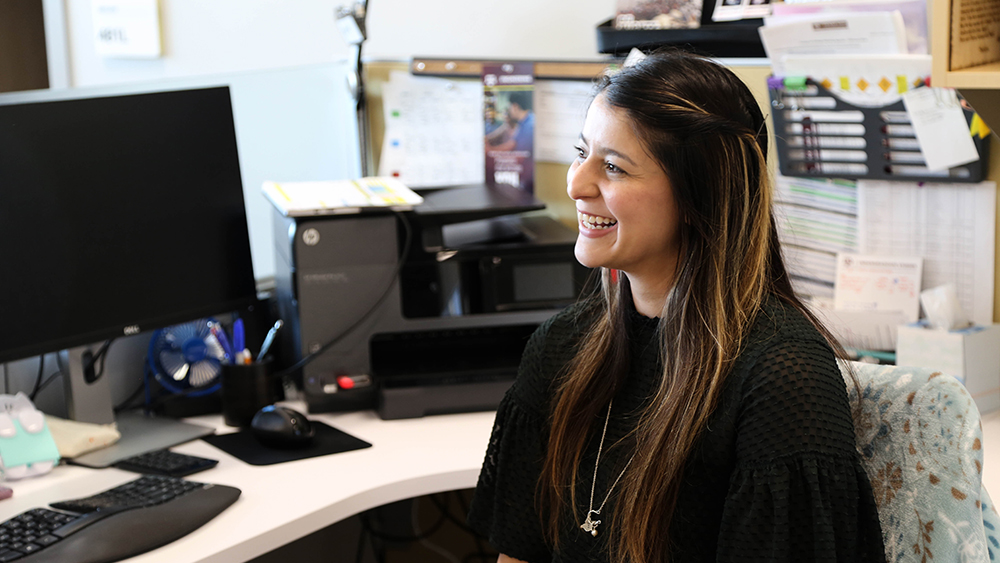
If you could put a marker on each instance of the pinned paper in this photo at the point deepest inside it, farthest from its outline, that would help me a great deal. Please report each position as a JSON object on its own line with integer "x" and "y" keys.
{"x": 433, "y": 131}
{"x": 126, "y": 28}
{"x": 560, "y": 108}
{"x": 878, "y": 283}
{"x": 951, "y": 226}
{"x": 940, "y": 126}
{"x": 844, "y": 34}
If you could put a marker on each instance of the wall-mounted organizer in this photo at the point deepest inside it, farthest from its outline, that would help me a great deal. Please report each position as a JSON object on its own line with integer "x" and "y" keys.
{"x": 820, "y": 135}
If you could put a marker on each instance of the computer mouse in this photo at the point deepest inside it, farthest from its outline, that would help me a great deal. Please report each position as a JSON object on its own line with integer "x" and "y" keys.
{"x": 281, "y": 427}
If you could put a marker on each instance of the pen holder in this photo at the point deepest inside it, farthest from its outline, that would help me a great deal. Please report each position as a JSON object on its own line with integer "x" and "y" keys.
{"x": 246, "y": 388}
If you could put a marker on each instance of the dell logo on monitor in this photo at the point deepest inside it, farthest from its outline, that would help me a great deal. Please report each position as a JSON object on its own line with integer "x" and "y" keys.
{"x": 130, "y": 330}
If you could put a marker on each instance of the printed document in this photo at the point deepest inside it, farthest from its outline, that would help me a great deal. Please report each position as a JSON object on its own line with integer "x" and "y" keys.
{"x": 873, "y": 283}
{"x": 877, "y": 33}
{"x": 561, "y": 108}
{"x": 951, "y": 226}
{"x": 433, "y": 131}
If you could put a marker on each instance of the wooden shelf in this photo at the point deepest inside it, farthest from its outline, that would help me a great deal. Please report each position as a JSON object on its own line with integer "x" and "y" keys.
{"x": 980, "y": 77}
{"x": 985, "y": 76}
{"x": 466, "y": 68}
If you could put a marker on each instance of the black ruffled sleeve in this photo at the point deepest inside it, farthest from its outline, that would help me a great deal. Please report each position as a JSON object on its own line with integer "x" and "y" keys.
{"x": 799, "y": 492}
{"x": 503, "y": 508}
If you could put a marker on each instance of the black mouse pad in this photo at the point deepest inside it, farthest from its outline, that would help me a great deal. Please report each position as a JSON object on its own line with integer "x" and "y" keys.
{"x": 328, "y": 440}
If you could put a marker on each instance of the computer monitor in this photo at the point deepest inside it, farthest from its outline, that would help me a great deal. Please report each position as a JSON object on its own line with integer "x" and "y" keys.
{"x": 118, "y": 214}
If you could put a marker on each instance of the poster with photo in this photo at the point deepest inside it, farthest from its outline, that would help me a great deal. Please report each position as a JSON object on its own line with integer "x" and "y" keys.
{"x": 658, "y": 14}
{"x": 509, "y": 119}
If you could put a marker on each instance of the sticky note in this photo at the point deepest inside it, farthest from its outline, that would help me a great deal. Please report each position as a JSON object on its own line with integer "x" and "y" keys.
{"x": 940, "y": 126}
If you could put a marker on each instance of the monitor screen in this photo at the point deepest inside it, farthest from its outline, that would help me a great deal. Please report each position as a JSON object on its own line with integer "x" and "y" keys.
{"x": 118, "y": 214}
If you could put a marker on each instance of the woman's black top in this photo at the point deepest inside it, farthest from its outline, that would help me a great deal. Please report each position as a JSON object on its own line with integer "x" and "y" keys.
{"x": 774, "y": 477}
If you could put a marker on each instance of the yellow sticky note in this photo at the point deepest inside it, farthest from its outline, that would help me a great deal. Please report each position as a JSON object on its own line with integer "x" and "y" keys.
{"x": 978, "y": 127}
{"x": 901, "y": 83}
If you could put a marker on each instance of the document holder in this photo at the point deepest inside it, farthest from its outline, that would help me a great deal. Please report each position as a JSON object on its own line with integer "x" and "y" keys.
{"x": 818, "y": 134}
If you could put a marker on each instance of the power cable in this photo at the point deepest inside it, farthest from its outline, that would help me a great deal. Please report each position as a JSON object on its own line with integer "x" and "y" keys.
{"x": 41, "y": 384}
{"x": 38, "y": 379}
{"x": 47, "y": 381}
{"x": 101, "y": 354}
{"x": 125, "y": 405}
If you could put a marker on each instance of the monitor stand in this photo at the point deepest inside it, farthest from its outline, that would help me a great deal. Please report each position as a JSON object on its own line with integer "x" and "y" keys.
{"x": 89, "y": 400}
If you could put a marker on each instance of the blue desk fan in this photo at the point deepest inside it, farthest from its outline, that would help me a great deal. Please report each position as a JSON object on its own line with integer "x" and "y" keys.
{"x": 186, "y": 359}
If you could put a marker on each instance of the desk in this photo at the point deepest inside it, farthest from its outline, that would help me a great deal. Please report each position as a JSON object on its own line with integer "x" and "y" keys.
{"x": 991, "y": 453}
{"x": 284, "y": 502}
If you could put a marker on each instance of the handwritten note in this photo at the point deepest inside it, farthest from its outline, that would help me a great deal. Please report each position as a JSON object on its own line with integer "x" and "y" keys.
{"x": 878, "y": 283}
{"x": 940, "y": 126}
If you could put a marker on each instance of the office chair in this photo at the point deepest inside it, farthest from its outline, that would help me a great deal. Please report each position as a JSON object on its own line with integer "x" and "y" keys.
{"x": 920, "y": 441}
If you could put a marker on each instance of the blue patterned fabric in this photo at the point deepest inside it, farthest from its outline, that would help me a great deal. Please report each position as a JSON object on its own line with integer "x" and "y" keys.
{"x": 920, "y": 440}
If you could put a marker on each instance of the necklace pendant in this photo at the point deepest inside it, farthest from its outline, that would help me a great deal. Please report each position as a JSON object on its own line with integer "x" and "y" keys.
{"x": 590, "y": 525}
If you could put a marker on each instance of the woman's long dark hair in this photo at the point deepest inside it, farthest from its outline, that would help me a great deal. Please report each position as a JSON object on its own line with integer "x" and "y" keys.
{"x": 704, "y": 127}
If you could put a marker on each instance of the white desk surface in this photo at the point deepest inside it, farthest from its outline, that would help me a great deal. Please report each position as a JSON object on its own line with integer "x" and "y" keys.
{"x": 286, "y": 501}
{"x": 991, "y": 453}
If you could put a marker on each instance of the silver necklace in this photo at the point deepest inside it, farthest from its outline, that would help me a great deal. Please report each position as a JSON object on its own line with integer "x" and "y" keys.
{"x": 590, "y": 524}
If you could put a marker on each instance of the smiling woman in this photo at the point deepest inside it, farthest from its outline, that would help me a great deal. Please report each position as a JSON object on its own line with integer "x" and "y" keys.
{"x": 692, "y": 410}
{"x": 628, "y": 215}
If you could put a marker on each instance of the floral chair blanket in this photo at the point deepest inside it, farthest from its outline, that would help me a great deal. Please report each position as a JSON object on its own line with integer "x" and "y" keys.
{"x": 920, "y": 441}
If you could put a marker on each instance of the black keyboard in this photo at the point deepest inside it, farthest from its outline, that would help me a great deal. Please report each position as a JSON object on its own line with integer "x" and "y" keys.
{"x": 166, "y": 462}
{"x": 31, "y": 531}
{"x": 116, "y": 524}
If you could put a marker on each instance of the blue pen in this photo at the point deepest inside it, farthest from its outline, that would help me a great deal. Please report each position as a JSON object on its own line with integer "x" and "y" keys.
{"x": 269, "y": 339}
{"x": 220, "y": 335}
{"x": 239, "y": 337}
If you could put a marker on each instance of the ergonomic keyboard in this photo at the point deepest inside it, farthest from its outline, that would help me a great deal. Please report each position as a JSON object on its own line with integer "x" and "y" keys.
{"x": 115, "y": 524}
